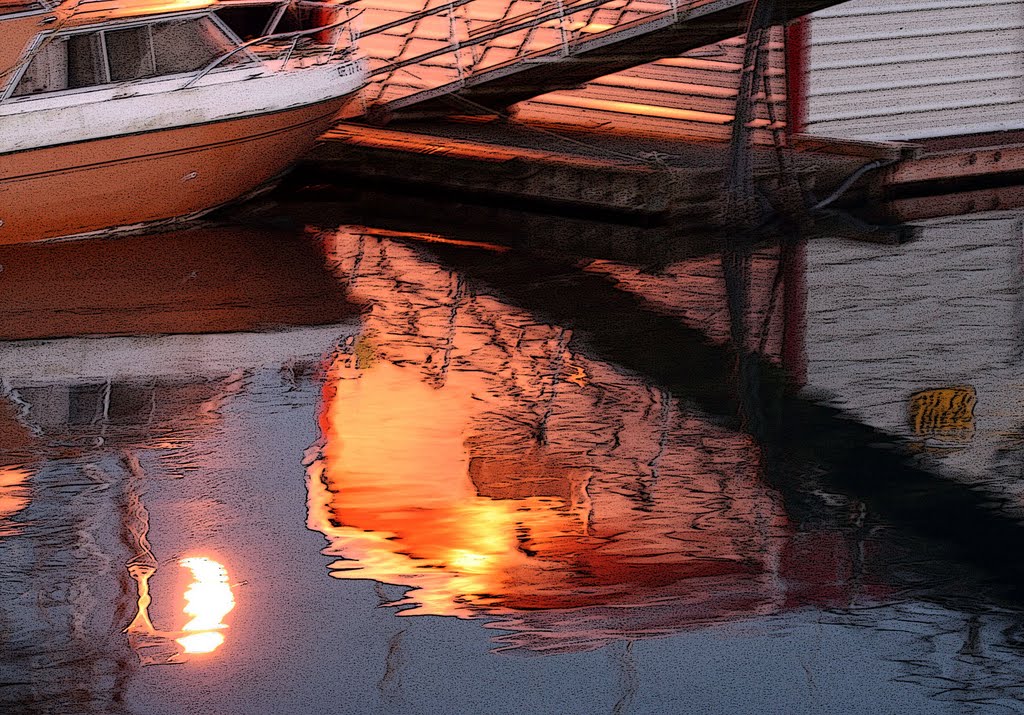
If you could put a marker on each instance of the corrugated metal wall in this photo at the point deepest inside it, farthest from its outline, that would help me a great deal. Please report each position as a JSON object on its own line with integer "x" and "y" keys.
{"x": 914, "y": 69}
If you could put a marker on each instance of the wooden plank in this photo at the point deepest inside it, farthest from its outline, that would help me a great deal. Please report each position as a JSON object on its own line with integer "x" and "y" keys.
{"x": 959, "y": 165}
{"x": 957, "y": 204}
{"x": 855, "y": 147}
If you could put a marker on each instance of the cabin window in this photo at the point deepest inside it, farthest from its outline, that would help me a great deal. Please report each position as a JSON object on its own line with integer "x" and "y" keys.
{"x": 132, "y": 53}
{"x": 190, "y": 45}
{"x": 248, "y": 21}
{"x": 85, "y": 404}
{"x": 130, "y": 403}
{"x": 85, "y": 61}
{"x": 48, "y": 71}
{"x": 64, "y": 63}
{"x": 129, "y": 54}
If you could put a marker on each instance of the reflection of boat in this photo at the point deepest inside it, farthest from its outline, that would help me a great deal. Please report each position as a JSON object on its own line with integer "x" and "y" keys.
{"x": 214, "y": 301}
{"x": 205, "y": 280}
{"x": 117, "y": 114}
{"x": 108, "y": 422}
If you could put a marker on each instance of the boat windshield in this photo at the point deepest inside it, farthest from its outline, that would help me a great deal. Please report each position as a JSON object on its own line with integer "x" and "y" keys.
{"x": 97, "y": 57}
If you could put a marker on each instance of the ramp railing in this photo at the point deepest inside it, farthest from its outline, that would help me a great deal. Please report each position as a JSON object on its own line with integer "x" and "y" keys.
{"x": 420, "y": 51}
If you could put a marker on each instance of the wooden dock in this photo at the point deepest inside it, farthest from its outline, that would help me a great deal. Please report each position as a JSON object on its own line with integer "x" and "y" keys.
{"x": 656, "y": 179}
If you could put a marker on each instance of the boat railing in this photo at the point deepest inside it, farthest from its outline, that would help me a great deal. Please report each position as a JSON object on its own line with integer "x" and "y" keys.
{"x": 328, "y": 53}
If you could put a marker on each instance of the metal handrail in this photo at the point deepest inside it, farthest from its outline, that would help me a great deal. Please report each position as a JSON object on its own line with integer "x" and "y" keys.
{"x": 526, "y": 21}
{"x": 294, "y": 36}
{"x": 674, "y": 9}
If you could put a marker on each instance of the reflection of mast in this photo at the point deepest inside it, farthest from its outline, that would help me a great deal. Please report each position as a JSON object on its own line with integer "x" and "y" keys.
{"x": 208, "y": 598}
{"x": 456, "y": 293}
{"x": 151, "y": 646}
{"x": 555, "y": 368}
{"x": 390, "y": 683}
{"x": 142, "y": 565}
{"x": 736, "y": 271}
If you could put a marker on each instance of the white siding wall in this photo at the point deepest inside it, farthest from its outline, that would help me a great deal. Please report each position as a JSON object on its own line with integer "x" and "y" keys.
{"x": 914, "y": 69}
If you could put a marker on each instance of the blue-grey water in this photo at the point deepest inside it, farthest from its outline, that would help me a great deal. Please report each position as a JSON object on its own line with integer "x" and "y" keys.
{"x": 348, "y": 460}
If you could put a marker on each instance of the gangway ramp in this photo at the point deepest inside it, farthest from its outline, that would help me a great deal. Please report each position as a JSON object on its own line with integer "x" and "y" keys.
{"x": 484, "y": 55}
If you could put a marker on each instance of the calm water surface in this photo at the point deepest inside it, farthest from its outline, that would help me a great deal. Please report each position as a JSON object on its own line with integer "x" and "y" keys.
{"x": 355, "y": 470}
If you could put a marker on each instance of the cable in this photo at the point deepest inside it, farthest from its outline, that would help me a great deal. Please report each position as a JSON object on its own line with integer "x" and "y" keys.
{"x": 851, "y": 180}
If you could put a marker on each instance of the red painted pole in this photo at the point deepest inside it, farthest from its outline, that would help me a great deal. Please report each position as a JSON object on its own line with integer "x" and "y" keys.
{"x": 797, "y": 44}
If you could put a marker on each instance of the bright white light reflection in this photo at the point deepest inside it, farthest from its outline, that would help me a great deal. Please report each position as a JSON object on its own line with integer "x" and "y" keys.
{"x": 205, "y": 642}
{"x": 207, "y": 600}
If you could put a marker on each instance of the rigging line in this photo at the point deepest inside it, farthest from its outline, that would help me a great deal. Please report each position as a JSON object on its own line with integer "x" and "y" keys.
{"x": 740, "y": 169}
{"x": 851, "y": 180}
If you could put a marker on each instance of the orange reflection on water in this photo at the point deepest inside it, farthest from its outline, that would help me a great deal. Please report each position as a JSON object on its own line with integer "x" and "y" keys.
{"x": 207, "y": 600}
{"x": 397, "y": 487}
{"x": 205, "y": 642}
{"x": 469, "y": 455}
{"x": 14, "y": 494}
{"x": 452, "y": 545}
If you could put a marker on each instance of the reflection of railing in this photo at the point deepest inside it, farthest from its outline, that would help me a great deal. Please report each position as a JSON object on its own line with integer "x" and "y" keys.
{"x": 288, "y": 51}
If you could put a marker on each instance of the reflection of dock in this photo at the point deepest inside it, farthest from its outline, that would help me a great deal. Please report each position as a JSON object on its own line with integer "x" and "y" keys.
{"x": 575, "y": 503}
{"x": 639, "y": 331}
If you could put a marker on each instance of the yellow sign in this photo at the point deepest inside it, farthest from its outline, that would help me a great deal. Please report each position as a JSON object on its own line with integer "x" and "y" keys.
{"x": 945, "y": 414}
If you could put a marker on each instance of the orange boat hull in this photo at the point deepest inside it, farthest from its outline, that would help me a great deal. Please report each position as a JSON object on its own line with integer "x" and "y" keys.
{"x": 151, "y": 176}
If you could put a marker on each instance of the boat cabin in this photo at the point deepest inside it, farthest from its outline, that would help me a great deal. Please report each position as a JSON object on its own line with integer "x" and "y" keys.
{"x": 125, "y": 52}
